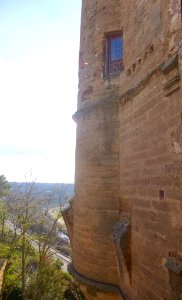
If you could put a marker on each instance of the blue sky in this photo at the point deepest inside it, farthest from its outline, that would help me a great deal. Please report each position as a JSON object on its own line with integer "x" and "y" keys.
{"x": 39, "y": 45}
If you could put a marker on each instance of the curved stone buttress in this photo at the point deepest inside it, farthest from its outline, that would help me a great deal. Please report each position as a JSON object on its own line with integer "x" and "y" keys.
{"x": 97, "y": 255}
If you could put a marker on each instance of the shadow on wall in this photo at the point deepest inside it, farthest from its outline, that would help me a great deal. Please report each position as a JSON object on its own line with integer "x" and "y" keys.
{"x": 174, "y": 266}
{"x": 122, "y": 243}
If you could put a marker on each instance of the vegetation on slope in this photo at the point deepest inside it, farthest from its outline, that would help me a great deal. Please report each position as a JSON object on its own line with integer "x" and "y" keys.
{"x": 31, "y": 272}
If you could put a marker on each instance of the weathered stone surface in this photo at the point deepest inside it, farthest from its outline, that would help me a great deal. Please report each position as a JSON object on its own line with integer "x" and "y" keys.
{"x": 174, "y": 266}
{"x": 128, "y": 157}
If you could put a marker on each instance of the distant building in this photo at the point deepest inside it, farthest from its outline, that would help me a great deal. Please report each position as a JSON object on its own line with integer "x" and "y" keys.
{"x": 125, "y": 222}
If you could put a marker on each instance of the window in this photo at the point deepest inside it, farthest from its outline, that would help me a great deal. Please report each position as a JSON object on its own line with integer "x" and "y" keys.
{"x": 114, "y": 54}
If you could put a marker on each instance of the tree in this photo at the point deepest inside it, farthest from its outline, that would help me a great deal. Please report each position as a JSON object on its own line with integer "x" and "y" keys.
{"x": 23, "y": 208}
{"x": 50, "y": 282}
{"x": 4, "y": 191}
{"x": 27, "y": 213}
{"x": 33, "y": 226}
{"x": 4, "y": 186}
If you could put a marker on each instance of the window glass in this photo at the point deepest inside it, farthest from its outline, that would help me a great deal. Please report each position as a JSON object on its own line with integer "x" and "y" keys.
{"x": 114, "y": 54}
{"x": 116, "y": 48}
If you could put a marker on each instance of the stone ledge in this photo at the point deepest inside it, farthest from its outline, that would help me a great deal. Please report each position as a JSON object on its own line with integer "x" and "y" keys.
{"x": 170, "y": 64}
{"x": 99, "y": 286}
{"x": 165, "y": 68}
{"x": 171, "y": 73}
{"x": 93, "y": 107}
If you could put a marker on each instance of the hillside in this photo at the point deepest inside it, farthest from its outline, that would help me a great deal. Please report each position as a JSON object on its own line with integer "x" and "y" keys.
{"x": 59, "y": 193}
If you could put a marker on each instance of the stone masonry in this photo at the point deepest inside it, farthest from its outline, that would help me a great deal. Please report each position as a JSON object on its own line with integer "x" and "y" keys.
{"x": 125, "y": 222}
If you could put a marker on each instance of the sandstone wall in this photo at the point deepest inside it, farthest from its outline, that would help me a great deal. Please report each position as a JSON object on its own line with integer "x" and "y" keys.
{"x": 150, "y": 181}
{"x": 150, "y": 146}
{"x": 96, "y": 204}
{"x": 98, "y": 18}
{"x": 127, "y": 228}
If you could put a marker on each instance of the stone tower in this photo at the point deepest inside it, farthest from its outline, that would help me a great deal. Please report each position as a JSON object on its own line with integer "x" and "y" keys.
{"x": 97, "y": 150}
{"x": 125, "y": 220}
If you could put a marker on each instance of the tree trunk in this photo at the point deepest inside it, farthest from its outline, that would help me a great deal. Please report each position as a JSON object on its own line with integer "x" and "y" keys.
{"x": 3, "y": 225}
{"x": 23, "y": 263}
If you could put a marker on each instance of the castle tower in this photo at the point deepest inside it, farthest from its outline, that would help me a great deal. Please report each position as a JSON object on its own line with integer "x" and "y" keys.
{"x": 96, "y": 203}
{"x": 125, "y": 219}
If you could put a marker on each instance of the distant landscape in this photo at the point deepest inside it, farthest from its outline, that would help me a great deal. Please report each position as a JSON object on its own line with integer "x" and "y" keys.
{"x": 60, "y": 193}
{"x": 57, "y": 196}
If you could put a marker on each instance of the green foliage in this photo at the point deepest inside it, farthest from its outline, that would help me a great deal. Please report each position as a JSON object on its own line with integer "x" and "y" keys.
{"x": 1, "y": 206}
{"x": 15, "y": 294}
{"x": 45, "y": 282}
{"x": 4, "y": 250}
{"x": 4, "y": 191}
{"x": 59, "y": 264}
{"x": 4, "y": 186}
{"x": 12, "y": 277}
{"x": 50, "y": 282}
{"x": 31, "y": 274}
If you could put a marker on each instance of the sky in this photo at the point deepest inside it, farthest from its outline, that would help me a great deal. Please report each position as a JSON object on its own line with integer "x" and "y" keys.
{"x": 39, "y": 46}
